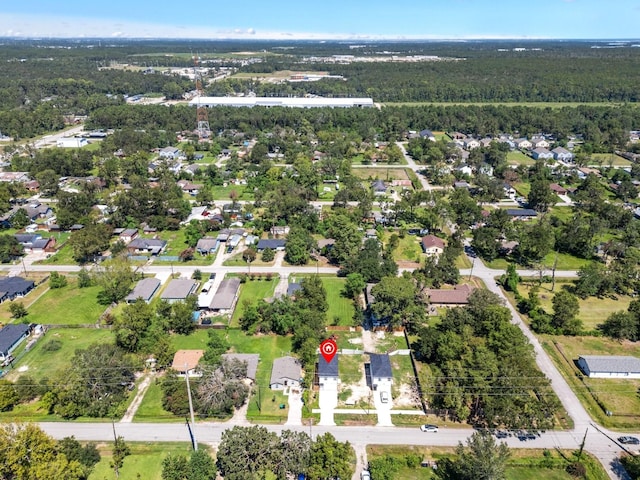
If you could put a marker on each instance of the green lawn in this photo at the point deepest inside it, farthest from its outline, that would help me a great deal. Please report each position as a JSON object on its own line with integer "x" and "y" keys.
{"x": 565, "y": 262}
{"x": 63, "y": 256}
{"x": 340, "y": 308}
{"x": 150, "y": 410}
{"x": 610, "y": 158}
{"x": 144, "y": 462}
{"x": 222, "y": 193}
{"x": 408, "y": 249}
{"x": 252, "y": 291}
{"x": 516, "y": 157}
{"x": 68, "y": 305}
{"x": 41, "y": 364}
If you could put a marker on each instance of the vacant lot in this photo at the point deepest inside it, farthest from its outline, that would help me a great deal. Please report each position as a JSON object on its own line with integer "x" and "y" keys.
{"x": 68, "y": 305}
{"x": 386, "y": 174}
{"x": 145, "y": 460}
{"x": 251, "y": 292}
{"x": 341, "y": 309}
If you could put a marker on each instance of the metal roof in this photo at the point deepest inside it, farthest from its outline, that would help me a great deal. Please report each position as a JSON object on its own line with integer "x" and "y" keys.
{"x": 612, "y": 363}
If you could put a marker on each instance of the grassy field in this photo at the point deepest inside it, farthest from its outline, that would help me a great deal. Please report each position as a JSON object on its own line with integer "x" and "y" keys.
{"x": 252, "y": 291}
{"x": 408, "y": 249}
{"x": 144, "y": 462}
{"x": 150, "y": 410}
{"x": 593, "y": 310}
{"x": 598, "y": 394}
{"x": 340, "y": 308}
{"x": 565, "y": 262}
{"x": 524, "y": 464}
{"x": 516, "y": 157}
{"x": 40, "y": 363}
{"x": 68, "y": 305}
{"x": 386, "y": 174}
{"x": 612, "y": 159}
{"x": 223, "y": 193}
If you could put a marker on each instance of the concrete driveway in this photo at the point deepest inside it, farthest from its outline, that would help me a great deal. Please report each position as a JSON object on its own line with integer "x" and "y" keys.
{"x": 328, "y": 400}
{"x": 295, "y": 408}
{"x": 383, "y": 409}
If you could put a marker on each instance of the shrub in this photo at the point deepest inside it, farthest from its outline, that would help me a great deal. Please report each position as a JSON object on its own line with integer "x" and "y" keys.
{"x": 52, "y": 346}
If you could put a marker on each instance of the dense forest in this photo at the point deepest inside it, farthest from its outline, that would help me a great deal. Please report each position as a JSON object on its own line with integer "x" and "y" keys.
{"x": 42, "y": 81}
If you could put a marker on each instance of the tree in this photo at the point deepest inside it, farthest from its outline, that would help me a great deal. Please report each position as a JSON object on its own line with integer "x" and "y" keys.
{"x": 116, "y": 278}
{"x": 26, "y": 452}
{"x": 216, "y": 346}
{"x": 485, "y": 243}
{"x": 120, "y": 452}
{"x": 481, "y": 459}
{"x": 201, "y": 466}
{"x": 8, "y": 395}
{"x": 621, "y": 325}
{"x": 175, "y": 467}
{"x": 396, "y": 300}
{"x": 249, "y": 254}
{"x": 89, "y": 242}
{"x": 565, "y": 311}
{"x": 57, "y": 280}
{"x": 330, "y": 458}
{"x": 18, "y": 310}
{"x": 354, "y": 286}
{"x": 268, "y": 255}
{"x": 181, "y": 318}
{"x": 540, "y": 196}
{"x": 298, "y": 247}
{"x": 131, "y": 325}
{"x": 84, "y": 278}
{"x": 20, "y": 219}
{"x": 245, "y": 451}
{"x": 10, "y": 248}
{"x": 86, "y": 455}
{"x": 223, "y": 390}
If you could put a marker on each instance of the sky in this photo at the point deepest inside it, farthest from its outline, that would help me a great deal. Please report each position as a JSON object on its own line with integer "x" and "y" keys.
{"x": 323, "y": 19}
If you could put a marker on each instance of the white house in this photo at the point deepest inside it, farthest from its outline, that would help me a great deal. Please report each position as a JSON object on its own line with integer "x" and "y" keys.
{"x": 328, "y": 372}
{"x": 380, "y": 371}
{"x": 432, "y": 245}
{"x": 285, "y": 373}
{"x": 609, "y": 366}
{"x": 541, "y": 153}
{"x": 523, "y": 144}
{"x": 470, "y": 143}
{"x": 170, "y": 152}
{"x": 539, "y": 143}
{"x": 562, "y": 154}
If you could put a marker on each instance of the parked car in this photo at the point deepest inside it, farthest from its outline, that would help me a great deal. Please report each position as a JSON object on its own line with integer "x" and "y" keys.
{"x": 365, "y": 475}
{"x": 429, "y": 428}
{"x": 629, "y": 440}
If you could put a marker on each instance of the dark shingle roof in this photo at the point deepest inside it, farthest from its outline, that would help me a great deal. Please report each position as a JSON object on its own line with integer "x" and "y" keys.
{"x": 10, "y": 334}
{"x": 328, "y": 369}
{"x": 15, "y": 285}
{"x": 521, "y": 212}
{"x": 271, "y": 243}
{"x": 380, "y": 366}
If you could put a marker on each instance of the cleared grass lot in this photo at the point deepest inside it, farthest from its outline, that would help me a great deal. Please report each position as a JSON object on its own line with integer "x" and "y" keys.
{"x": 252, "y": 291}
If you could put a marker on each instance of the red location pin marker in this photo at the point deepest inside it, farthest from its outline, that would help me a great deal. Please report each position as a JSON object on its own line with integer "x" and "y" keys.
{"x": 328, "y": 349}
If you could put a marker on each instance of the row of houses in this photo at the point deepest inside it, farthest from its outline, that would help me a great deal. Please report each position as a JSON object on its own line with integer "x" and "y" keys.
{"x": 379, "y": 371}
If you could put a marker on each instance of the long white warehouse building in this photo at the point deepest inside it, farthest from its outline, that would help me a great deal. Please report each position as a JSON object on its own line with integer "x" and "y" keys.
{"x": 281, "y": 102}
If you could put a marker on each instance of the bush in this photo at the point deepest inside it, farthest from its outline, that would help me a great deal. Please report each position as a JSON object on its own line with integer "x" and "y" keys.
{"x": 57, "y": 281}
{"x": 268, "y": 255}
{"x": 577, "y": 470}
{"x": 52, "y": 346}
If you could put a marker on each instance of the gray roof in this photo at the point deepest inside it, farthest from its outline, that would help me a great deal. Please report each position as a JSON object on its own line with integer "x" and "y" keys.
{"x": 380, "y": 366}
{"x": 146, "y": 243}
{"x": 226, "y": 294}
{"x": 285, "y": 368}
{"x": 206, "y": 244}
{"x": 612, "y": 363}
{"x": 10, "y": 334}
{"x": 273, "y": 243}
{"x": 328, "y": 369}
{"x": 144, "y": 289}
{"x": 179, "y": 288}
{"x": 521, "y": 212}
{"x": 15, "y": 285}
{"x": 250, "y": 358}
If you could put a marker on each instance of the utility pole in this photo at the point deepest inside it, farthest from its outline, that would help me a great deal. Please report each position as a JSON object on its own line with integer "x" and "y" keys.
{"x": 193, "y": 422}
{"x": 115, "y": 445}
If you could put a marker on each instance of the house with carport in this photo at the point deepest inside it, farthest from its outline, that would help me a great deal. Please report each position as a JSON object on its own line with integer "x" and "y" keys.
{"x": 178, "y": 289}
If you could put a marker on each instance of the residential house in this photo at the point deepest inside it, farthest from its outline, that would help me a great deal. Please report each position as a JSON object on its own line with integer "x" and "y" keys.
{"x": 539, "y": 142}
{"x": 427, "y": 134}
{"x": 521, "y": 213}
{"x": 562, "y": 154}
{"x": 154, "y": 246}
{"x": 328, "y": 372}
{"x": 523, "y": 144}
{"x": 509, "y": 191}
{"x": 38, "y": 210}
{"x": 285, "y": 373}
{"x": 485, "y": 142}
{"x": 226, "y": 296}
{"x": 72, "y": 142}
{"x": 470, "y": 143}
{"x": 207, "y": 245}
{"x": 179, "y": 289}
{"x": 12, "y": 287}
{"x": 609, "y": 366}
{"x": 541, "y": 154}
{"x": 185, "y": 362}
{"x": 379, "y": 188}
{"x": 170, "y": 153}
{"x": 145, "y": 289}
{"x": 189, "y": 188}
{"x": 251, "y": 359}
{"x": 461, "y": 184}
{"x": 432, "y": 245}
{"x": 380, "y": 371}
{"x": 557, "y": 189}
{"x": 274, "y": 244}
{"x": 11, "y": 336}
{"x": 128, "y": 234}
{"x": 449, "y": 297}
{"x": 32, "y": 242}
